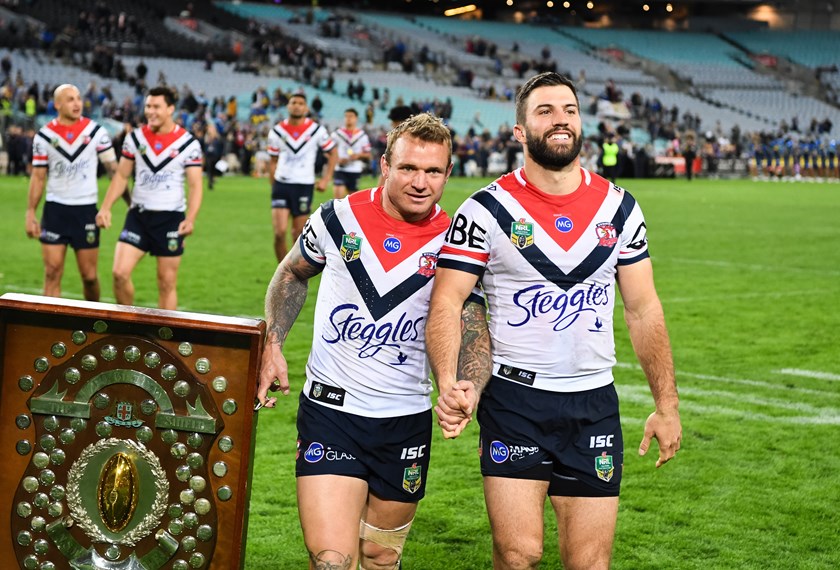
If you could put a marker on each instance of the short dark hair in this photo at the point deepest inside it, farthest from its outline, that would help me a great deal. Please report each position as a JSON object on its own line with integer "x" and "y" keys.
{"x": 164, "y": 91}
{"x": 399, "y": 113}
{"x": 351, "y": 110}
{"x": 300, "y": 95}
{"x": 547, "y": 79}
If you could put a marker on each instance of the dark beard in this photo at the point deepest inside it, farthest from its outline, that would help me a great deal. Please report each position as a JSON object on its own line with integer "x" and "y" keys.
{"x": 549, "y": 158}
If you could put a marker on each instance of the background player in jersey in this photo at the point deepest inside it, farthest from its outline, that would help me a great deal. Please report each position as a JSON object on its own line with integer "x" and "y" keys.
{"x": 548, "y": 242}
{"x": 162, "y": 156}
{"x": 293, "y": 147}
{"x": 353, "y": 146}
{"x": 364, "y": 418}
{"x": 64, "y": 160}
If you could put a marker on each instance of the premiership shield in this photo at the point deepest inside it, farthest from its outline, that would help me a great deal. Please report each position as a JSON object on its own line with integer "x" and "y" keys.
{"x": 127, "y": 435}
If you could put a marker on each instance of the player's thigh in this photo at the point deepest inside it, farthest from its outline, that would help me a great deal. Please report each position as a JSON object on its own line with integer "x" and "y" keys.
{"x": 586, "y": 528}
{"x": 167, "y": 269}
{"x": 126, "y": 258}
{"x": 330, "y": 507}
{"x": 280, "y": 220}
{"x": 87, "y": 260}
{"x": 54, "y": 256}
{"x": 298, "y": 223}
{"x": 515, "y": 509}
{"x": 388, "y": 515}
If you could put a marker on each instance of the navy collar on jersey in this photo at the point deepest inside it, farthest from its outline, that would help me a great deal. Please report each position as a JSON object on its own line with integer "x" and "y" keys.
{"x": 157, "y": 168}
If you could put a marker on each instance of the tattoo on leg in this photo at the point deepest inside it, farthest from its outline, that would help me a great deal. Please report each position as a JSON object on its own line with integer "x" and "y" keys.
{"x": 330, "y": 560}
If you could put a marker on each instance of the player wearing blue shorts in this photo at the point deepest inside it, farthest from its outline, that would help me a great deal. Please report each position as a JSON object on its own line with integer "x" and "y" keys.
{"x": 548, "y": 243}
{"x": 65, "y": 156}
{"x": 364, "y": 418}
{"x": 163, "y": 157}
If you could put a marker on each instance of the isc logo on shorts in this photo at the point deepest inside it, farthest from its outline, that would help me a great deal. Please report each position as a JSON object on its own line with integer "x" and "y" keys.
{"x": 314, "y": 453}
{"x": 499, "y": 452}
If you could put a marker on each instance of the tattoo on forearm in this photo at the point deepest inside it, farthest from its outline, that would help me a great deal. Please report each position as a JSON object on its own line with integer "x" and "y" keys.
{"x": 287, "y": 293}
{"x": 474, "y": 362}
{"x": 337, "y": 560}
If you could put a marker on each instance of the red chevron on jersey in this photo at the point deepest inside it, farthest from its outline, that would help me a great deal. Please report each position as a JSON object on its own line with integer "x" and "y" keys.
{"x": 69, "y": 133}
{"x": 392, "y": 240}
{"x": 564, "y": 218}
{"x": 160, "y": 143}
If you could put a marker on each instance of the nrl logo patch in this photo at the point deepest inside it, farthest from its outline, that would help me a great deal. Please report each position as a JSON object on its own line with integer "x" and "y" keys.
{"x": 428, "y": 264}
{"x": 604, "y": 467}
{"x": 122, "y": 416}
{"x": 351, "y": 245}
{"x": 522, "y": 233}
{"x": 412, "y": 478}
{"x": 607, "y": 236}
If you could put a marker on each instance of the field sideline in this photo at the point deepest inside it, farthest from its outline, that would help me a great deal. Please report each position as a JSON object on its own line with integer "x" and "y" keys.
{"x": 748, "y": 274}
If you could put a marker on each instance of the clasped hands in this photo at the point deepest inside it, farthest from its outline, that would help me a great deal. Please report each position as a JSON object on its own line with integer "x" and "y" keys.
{"x": 455, "y": 408}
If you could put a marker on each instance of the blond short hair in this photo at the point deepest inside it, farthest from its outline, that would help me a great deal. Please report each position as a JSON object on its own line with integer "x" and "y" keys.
{"x": 425, "y": 127}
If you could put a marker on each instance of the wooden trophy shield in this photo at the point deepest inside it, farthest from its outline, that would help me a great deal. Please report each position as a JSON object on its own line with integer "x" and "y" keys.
{"x": 127, "y": 435}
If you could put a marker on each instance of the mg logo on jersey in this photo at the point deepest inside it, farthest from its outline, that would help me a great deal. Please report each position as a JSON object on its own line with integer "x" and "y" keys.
{"x": 428, "y": 264}
{"x": 607, "y": 236}
{"x": 563, "y": 224}
{"x": 522, "y": 233}
{"x": 314, "y": 453}
{"x": 391, "y": 245}
{"x": 351, "y": 245}
{"x": 499, "y": 452}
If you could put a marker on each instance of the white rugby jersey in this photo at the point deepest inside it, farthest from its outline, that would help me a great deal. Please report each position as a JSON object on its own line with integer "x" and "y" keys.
{"x": 160, "y": 164}
{"x": 368, "y": 352}
{"x": 70, "y": 154}
{"x": 296, "y": 148}
{"x": 547, "y": 265}
{"x": 350, "y": 143}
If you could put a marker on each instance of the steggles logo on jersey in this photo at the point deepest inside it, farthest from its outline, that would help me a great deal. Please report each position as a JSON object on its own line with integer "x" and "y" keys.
{"x": 350, "y": 247}
{"x": 607, "y": 236}
{"x": 562, "y": 308}
{"x": 522, "y": 233}
{"x": 428, "y": 264}
{"x": 350, "y": 326}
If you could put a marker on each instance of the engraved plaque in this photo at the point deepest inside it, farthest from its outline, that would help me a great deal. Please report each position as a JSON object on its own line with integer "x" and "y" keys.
{"x": 120, "y": 449}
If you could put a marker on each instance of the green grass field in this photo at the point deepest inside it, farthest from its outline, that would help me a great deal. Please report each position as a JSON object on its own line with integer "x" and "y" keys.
{"x": 748, "y": 273}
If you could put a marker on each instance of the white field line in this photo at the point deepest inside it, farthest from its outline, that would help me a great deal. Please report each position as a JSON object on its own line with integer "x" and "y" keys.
{"x": 749, "y": 266}
{"x": 640, "y": 395}
{"x": 741, "y": 381}
{"x": 809, "y": 374}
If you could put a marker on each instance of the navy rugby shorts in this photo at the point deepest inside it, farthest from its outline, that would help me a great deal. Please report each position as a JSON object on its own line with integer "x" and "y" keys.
{"x": 297, "y": 198}
{"x": 349, "y": 180}
{"x": 69, "y": 225}
{"x": 571, "y": 439}
{"x": 154, "y": 231}
{"x": 391, "y": 454}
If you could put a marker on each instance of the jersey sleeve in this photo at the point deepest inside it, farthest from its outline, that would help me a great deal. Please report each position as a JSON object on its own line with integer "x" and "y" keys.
{"x": 327, "y": 143}
{"x": 467, "y": 244}
{"x": 40, "y": 156}
{"x": 194, "y": 155}
{"x": 129, "y": 149}
{"x": 274, "y": 143}
{"x": 633, "y": 244}
{"x": 313, "y": 239}
{"x": 365, "y": 143}
{"x": 103, "y": 141}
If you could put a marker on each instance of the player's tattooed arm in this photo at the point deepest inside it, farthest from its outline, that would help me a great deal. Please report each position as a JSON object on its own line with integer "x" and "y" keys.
{"x": 287, "y": 293}
{"x": 474, "y": 362}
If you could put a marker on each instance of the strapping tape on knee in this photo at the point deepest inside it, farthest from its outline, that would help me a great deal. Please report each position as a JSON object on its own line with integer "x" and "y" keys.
{"x": 392, "y": 538}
